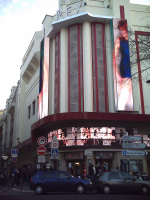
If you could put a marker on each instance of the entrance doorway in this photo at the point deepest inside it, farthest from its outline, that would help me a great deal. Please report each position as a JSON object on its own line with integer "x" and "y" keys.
{"x": 75, "y": 167}
{"x": 107, "y": 163}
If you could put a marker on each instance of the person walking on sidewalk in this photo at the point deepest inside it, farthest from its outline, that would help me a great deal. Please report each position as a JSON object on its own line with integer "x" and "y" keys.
{"x": 28, "y": 174}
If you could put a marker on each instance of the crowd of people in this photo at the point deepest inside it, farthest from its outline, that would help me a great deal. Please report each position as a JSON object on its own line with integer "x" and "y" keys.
{"x": 20, "y": 175}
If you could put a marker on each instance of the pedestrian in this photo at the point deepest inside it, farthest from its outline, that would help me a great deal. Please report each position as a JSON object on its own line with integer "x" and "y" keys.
{"x": 28, "y": 174}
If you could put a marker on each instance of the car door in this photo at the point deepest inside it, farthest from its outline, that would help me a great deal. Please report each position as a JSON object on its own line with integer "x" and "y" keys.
{"x": 129, "y": 182}
{"x": 65, "y": 182}
{"x": 115, "y": 181}
{"x": 49, "y": 180}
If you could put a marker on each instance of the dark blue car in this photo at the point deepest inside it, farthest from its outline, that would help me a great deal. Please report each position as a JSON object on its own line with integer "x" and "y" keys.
{"x": 58, "y": 181}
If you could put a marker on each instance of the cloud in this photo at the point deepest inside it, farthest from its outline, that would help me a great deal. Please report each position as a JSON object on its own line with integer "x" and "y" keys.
{"x": 24, "y": 3}
{"x": 17, "y": 30}
{"x": 16, "y": 1}
{"x": 7, "y": 11}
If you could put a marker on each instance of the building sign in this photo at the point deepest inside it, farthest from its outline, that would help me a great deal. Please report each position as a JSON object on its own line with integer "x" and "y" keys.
{"x": 131, "y": 138}
{"x": 133, "y": 145}
{"x": 104, "y": 155}
{"x": 133, "y": 153}
{"x": 88, "y": 152}
{"x": 82, "y": 136}
{"x": 59, "y": 13}
{"x": 121, "y": 66}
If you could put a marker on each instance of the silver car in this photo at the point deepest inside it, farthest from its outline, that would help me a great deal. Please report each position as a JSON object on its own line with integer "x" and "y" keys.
{"x": 121, "y": 181}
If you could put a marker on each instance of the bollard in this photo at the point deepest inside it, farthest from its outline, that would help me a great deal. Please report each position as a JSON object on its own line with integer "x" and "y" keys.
{"x": 21, "y": 184}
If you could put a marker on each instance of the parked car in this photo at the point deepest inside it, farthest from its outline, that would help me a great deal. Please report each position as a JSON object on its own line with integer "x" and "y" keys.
{"x": 121, "y": 181}
{"x": 58, "y": 181}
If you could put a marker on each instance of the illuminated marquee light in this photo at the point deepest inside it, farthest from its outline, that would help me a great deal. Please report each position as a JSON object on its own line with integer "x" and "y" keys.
{"x": 89, "y": 135}
{"x": 121, "y": 66}
{"x": 44, "y": 75}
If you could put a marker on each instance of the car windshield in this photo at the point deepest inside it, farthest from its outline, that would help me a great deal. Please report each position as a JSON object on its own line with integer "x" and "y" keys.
{"x": 114, "y": 175}
{"x": 48, "y": 174}
{"x": 127, "y": 176}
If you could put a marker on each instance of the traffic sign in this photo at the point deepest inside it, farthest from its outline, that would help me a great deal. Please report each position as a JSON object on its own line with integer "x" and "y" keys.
{"x": 54, "y": 144}
{"x": 42, "y": 141}
{"x": 14, "y": 159}
{"x": 54, "y": 153}
{"x": 14, "y": 153}
{"x": 41, "y": 159}
{"x": 133, "y": 153}
{"x": 41, "y": 151}
{"x": 131, "y": 138}
{"x": 133, "y": 145}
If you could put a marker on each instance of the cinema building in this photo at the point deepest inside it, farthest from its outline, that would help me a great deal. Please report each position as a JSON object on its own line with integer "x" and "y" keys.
{"x": 74, "y": 88}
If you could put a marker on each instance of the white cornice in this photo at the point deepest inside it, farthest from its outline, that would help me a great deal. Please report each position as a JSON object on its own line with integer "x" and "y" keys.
{"x": 75, "y": 19}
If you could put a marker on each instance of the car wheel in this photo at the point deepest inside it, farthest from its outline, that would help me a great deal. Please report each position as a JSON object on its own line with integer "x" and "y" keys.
{"x": 106, "y": 189}
{"x": 144, "y": 190}
{"x": 80, "y": 189}
{"x": 39, "y": 189}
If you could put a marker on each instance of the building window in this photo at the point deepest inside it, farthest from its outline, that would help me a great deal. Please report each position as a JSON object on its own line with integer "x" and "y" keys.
{"x": 75, "y": 67}
{"x": 57, "y": 74}
{"x": 29, "y": 112}
{"x": 99, "y": 68}
{"x": 33, "y": 107}
{"x": 37, "y": 106}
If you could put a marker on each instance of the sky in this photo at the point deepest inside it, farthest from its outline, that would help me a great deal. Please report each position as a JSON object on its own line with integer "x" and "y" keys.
{"x": 19, "y": 20}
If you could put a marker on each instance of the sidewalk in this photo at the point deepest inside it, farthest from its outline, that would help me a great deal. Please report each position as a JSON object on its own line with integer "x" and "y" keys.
{"x": 24, "y": 188}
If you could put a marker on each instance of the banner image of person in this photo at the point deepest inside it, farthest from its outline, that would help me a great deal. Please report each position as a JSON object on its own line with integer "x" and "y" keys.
{"x": 121, "y": 66}
{"x": 44, "y": 74}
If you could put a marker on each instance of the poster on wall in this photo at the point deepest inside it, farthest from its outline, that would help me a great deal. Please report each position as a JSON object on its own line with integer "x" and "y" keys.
{"x": 121, "y": 66}
{"x": 44, "y": 75}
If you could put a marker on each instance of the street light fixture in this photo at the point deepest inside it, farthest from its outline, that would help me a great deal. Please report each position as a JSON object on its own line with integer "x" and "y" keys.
{"x": 148, "y": 82}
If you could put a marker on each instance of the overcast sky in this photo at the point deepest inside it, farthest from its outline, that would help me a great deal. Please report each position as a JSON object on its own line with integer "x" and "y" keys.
{"x": 19, "y": 20}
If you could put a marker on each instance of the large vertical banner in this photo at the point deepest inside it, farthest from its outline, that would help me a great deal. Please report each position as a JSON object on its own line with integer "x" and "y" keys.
{"x": 121, "y": 66}
{"x": 44, "y": 75}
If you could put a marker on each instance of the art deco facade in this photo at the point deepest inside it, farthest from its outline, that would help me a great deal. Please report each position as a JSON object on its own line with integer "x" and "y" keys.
{"x": 71, "y": 62}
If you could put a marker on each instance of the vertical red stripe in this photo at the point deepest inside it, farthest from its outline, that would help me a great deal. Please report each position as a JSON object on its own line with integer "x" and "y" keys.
{"x": 58, "y": 78}
{"x": 69, "y": 69}
{"x": 104, "y": 65}
{"x": 79, "y": 75}
{"x": 96, "y": 73}
{"x": 122, "y": 13}
{"x": 82, "y": 72}
{"x": 55, "y": 91}
{"x": 92, "y": 63}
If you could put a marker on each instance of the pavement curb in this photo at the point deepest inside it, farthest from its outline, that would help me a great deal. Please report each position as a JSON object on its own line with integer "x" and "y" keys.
{"x": 15, "y": 189}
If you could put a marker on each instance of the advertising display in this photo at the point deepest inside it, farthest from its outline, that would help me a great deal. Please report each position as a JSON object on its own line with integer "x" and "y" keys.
{"x": 121, "y": 66}
{"x": 44, "y": 75}
{"x": 89, "y": 136}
